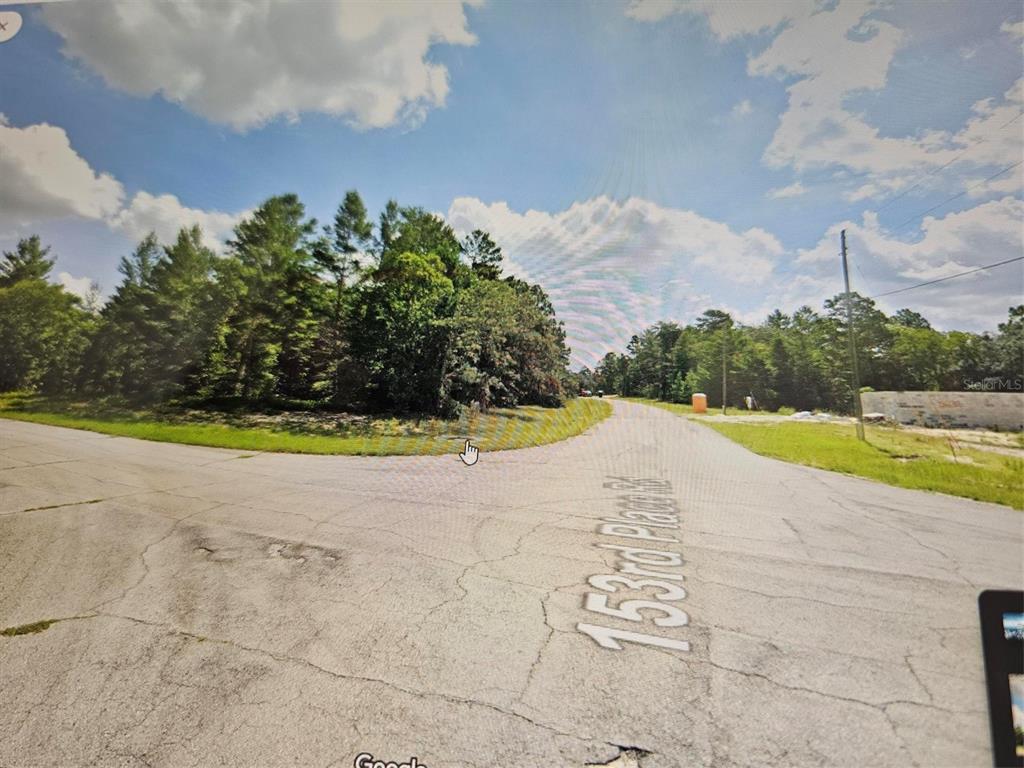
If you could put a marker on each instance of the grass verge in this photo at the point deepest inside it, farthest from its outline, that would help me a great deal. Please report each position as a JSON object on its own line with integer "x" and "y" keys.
{"x": 891, "y": 455}
{"x": 496, "y": 430}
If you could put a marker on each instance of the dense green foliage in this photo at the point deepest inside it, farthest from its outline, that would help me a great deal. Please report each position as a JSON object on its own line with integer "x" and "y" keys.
{"x": 802, "y": 360}
{"x": 43, "y": 332}
{"x": 406, "y": 318}
{"x": 402, "y": 316}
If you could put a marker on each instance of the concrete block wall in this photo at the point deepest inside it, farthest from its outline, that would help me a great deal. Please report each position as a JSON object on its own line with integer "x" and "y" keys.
{"x": 992, "y": 410}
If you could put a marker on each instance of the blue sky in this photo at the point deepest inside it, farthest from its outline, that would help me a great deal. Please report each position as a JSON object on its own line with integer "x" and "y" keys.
{"x": 674, "y": 155}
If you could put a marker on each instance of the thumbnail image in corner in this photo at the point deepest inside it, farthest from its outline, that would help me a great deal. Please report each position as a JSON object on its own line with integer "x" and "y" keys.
{"x": 1013, "y": 626}
{"x": 1017, "y": 707}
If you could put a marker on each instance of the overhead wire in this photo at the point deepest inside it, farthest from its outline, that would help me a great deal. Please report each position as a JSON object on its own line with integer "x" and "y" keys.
{"x": 949, "y": 277}
{"x": 921, "y": 179}
{"x": 954, "y": 197}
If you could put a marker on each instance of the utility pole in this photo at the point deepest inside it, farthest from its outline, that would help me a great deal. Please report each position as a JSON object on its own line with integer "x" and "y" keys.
{"x": 725, "y": 339}
{"x": 851, "y": 338}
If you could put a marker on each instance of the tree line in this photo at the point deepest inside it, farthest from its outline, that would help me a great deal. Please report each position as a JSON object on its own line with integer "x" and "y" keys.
{"x": 397, "y": 315}
{"x": 802, "y": 360}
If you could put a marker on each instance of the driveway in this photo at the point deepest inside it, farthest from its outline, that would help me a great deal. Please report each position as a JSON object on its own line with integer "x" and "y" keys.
{"x": 219, "y": 607}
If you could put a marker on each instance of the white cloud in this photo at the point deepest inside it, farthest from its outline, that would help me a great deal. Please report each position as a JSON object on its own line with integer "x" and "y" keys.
{"x": 829, "y": 52}
{"x": 742, "y": 109}
{"x": 165, "y": 215}
{"x": 818, "y": 48}
{"x": 957, "y": 242}
{"x": 652, "y": 10}
{"x": 727, "y": 20}
{"x": 41, "y": 176}
{"x": 792, "y": 190}
{"x": 843, "y": 51}
{"x": 79, "y": 286}
{"x": 613, "y": 268}
{"x": 1005, "y": 184}
{"x": 245, "y": 63}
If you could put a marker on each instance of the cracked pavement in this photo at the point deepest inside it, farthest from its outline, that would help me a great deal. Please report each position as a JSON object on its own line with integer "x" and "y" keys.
{"x": 215, "y": 606}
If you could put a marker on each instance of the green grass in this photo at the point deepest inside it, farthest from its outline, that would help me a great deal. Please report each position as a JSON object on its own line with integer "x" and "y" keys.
{"x": 890, "y": 455}
{"x": 684, "y": 409}
{"x": 496, "y": 430}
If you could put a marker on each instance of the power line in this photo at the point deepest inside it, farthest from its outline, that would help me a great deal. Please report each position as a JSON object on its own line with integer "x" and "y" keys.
{"x": 948, "y": 277}
{"x": 917, "y": 183}
{"x": 944, "y": 166}
{"x": 1018, "y": 117}
{"x": 863, "y": 277}
{"x": 920, "y": 179}
{"x": 925, "y": 213}
{"x": 956, "y": 196}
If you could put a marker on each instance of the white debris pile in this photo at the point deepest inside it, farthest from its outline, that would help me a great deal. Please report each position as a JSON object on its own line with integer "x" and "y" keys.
{"x": 808, "y": 416}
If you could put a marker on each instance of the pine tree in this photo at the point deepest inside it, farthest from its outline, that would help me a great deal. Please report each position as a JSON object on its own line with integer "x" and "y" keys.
{"x": 272, "y": 328}
{"x": 483, "y": 253}
{"x": 28, "y": 261}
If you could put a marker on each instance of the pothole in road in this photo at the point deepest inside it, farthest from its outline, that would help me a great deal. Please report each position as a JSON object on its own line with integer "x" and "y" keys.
{"x": 222, "y": 549}
{"x": 301, "y": 552}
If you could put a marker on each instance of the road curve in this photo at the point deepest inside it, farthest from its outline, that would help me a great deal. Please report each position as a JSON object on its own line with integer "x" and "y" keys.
{"x": 220, "y": 607}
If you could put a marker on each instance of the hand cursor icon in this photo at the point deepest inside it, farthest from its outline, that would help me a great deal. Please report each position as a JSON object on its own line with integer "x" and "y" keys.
{"x": 470, "y": 454}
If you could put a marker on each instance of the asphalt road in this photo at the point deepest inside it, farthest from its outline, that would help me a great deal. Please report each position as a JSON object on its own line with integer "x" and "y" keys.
{"x": 221, "y": 608}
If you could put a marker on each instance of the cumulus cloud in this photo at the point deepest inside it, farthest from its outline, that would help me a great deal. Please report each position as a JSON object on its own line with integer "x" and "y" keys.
{"x": 246, "y": 63}
{"x": 41, "y": 176}
{"x": 792, "y": 190}
{"x": 957, "y": 242}
{"x": 165, "y": 215}
{"x": 831, "y": 51}
{"x": 1006, "y": 183}
{"x": 614, "y": 267}
{"x": 79, "y": 286}
{"x": 842, "y": 51}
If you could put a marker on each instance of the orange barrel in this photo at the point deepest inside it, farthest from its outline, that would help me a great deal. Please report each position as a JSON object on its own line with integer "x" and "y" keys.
{"x": 700, "y": 402}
